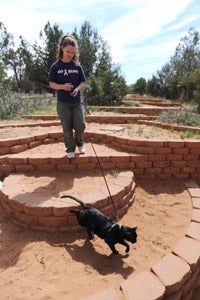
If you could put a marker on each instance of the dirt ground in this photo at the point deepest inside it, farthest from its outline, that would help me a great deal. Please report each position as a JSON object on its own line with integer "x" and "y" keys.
{"x": 43, "y": 265}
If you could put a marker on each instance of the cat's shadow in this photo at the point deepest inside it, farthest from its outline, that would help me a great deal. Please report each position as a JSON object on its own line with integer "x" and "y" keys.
{"x": 103, "y": 264}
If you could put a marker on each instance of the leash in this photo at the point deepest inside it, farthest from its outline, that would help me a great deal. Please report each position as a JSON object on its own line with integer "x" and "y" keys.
{"x": 100, "y": 167}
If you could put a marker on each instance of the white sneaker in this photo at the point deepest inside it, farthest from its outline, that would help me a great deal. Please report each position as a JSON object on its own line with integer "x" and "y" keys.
{"x": 70, "y": 154}
{"x": 81, "y": 149}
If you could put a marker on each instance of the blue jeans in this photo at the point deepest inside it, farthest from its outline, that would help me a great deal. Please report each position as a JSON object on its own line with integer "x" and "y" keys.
{"x": 72, "y": 119}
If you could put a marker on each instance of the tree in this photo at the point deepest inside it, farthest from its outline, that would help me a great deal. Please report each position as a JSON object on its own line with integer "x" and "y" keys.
{"x": 140, "y": 86}
{"x": 103, "y": 76}
{"x": 173, "y": 77}
{"x": 43, "y": 56}
{"x": 89, "y": 45}
{"x": 16, "y": 61}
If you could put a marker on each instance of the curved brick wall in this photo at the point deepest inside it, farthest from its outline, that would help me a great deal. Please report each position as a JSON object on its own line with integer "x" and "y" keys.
{"x": 46, "y": 213}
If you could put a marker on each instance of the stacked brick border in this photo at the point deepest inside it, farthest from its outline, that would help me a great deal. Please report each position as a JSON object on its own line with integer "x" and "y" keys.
{"x": 176, "y": 275}
{"x": 147, "y": 158}
{"x": 54, "y": 214}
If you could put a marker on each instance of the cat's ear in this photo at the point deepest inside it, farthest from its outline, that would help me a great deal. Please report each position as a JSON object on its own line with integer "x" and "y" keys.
{"x": 134, "y": 228}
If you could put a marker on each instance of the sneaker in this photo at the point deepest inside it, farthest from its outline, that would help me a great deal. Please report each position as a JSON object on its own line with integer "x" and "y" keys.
{"x": 70, "y": 154}
{"x": 81, "y": 149}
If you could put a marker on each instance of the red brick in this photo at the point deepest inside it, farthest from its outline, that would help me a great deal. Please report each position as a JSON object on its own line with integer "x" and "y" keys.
{"x": 145, "y": 150}
{"x": 195, "y": 151}
{"x": 52, "y": 221}
{"x": 180, "y": 163}
{"x": 172, "y": 271}
{"x": 39, "y": 160}
{"x": 55, "y": 135}
{"x": 171, "y": 170}
{"x": 86, "y": 166}
{"x": 153, "y": 171}
{"x": 4, "y": 150}
{"x": 144, "y": 286}
{"x": 146, "y": 164}
{"x": 155, "y": 144}
{"x": 41, "y": 137}
{"x": 44, "y": 167}
{"x": 24, "y": 168}
{"x": 196, "y": 215}
{"x": 65, "y": 167}
{"x": 18, "y": 148}
{"x": 34, "y": 144}
{"x": 189, "y": 250}
{"x": 156, "y": 157}
{"x": 165, "y": 150}
{"x": 180, "y": 151}
{"x": 194, "y": 192}
{"x": 196, "y": 202}
{"x": 17, "y": 160}
{"x": 175, "y": 157}
{"x": 175, "y": 144}
{"x": 138, "y": 157}
{"x": 190, "y": 183}
{"x": 194, "y": 230}
{"x": 119, "y": 158}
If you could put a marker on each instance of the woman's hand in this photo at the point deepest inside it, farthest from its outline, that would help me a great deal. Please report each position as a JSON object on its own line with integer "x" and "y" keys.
{"x": 68, "y": 87}
{"x": 75, "y": 92}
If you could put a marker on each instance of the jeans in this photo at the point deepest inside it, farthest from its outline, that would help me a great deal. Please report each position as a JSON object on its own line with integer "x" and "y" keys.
{"x": 72, "y": 119}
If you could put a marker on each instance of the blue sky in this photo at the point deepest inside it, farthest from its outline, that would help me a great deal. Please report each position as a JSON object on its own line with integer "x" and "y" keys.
{"x": 142, "y": 34}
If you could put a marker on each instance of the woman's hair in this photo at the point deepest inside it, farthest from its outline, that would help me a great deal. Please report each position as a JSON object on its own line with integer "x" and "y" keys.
{"x": 67, "y": 40}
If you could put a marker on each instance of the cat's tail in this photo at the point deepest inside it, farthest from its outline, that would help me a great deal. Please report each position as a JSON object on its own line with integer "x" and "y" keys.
{"x": 76, "y": 199}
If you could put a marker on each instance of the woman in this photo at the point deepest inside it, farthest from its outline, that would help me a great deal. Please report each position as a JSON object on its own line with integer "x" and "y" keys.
{"x": 67, "y": 77}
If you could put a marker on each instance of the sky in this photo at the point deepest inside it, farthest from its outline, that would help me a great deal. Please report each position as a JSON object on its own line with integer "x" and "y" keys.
{"x": 142, "y": 34}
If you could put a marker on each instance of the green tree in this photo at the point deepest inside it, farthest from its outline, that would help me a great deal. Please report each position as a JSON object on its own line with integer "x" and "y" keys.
{"x": 140, "y": 86}
{"x": 43, "y": 55}
{"x": 173, "y": 78}
{"x": 16, "y": 60}
{"x": 103, "y": 76}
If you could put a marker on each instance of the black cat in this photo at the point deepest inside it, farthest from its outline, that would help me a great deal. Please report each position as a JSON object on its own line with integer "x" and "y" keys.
{"x": 96, "y": 222}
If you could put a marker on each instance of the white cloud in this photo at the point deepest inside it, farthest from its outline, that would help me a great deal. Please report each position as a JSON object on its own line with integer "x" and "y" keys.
{"x": 137, "y": 31}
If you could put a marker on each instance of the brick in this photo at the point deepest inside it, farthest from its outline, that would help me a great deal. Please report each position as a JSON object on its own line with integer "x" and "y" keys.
{"x": 194, "y": 192}
{"x": 175, "y": 144}
{"x": 174, "y": 157}
{"x": 196, "y": 202}
{"x": 172, "y": 271}
{"x": 109, "y": 293}
{"x": 145, "y": 150}
{"x": 180, "y": 151}
{"x": 18, "y": 148}
{"x": 163, "y": 150}
{"x": 52, "y": 221}
{"x": 194, "y": 230}
{"x": 41, "y": 137}
{"x": 144, "y": 286}
{"x": 17, "y": 160}
{"x": 25, "y": 168}
{"x": 190, "y": 183}
{"x": 189, "y": 250}
{"x": 46, "y": 168}
{"x": 196, "y": 215}
{"x": 34, "y": 144}
{"x": 55, "y": 135}
{"x": 156, "y": 157}
{"x": 39, "y": 160}
{"x": 4, "y": 150}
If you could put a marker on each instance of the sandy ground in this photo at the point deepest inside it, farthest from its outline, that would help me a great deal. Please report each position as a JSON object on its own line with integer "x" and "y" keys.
{"x": 39, "y": 265}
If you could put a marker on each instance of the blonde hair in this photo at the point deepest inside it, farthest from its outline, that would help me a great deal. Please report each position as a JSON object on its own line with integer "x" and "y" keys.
{"x": 67, "y": 40}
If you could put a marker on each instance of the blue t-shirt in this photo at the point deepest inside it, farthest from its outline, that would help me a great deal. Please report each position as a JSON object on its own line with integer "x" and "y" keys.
{"x": 61, "y": 72}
